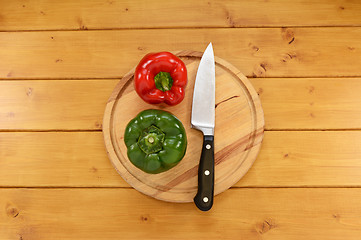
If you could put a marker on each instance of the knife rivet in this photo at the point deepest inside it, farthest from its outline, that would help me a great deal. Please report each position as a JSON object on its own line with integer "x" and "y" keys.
{"x": 205, "y": 199}
{"x": 208, "y": 146}
{"x": 206, "y": 172}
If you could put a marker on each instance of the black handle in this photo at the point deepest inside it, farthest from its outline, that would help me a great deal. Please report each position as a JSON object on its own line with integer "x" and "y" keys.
{"x": 204, "y": 197}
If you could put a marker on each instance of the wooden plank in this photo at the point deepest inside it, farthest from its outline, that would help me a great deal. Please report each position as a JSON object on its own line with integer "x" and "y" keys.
{"x": 76, "y": 159}
{"x": 79, "y": 159}
{"x": 259, "y": 52}
{"x": 310, "y": 103}
{"x": 236, "y": 214}
{"x": 44, "y": 105}
{"x": 307, "y": 159}
{"x": 288, "y": 103}
{"x": 110, "y": 14}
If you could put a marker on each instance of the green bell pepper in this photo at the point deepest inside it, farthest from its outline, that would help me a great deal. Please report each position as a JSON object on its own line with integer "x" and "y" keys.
{"x": 156, "y": 141}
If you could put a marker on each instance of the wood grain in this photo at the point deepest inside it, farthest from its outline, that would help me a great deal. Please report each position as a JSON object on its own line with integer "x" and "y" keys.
{"x": 325, "y": 103}
{"x": 61, "y": 105}
{"x": 297, "y": 103}
{"x": 258, "y": 52}
{"x": 47, "y": 159}
{"x": 111, "y": 14}
{"x": 307, "y": 159}
{"x": 110, "y": 213}
{"x": 238, "y": 134}
{"x": 79, "y": 159}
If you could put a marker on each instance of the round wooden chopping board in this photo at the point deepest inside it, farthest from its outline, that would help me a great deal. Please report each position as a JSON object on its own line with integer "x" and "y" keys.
{"x": 238, "y": 132}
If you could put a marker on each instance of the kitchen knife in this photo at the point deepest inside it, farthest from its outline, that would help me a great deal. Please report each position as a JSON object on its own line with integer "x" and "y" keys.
{"x": 203, "y": 119}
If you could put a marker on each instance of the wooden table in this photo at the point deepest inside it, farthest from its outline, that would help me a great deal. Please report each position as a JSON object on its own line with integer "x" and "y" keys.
{"x": 60, "y": 60}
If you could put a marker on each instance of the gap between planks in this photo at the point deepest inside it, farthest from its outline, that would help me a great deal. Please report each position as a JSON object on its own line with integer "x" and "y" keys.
{"x": 131, "y": 188}
{"x": 171, "y": 28}
{"x": 120, "y": 77}
{"x": 100, "y": 130}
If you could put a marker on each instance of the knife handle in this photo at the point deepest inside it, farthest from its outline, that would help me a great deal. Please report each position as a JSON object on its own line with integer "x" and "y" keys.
{"x": 204, "y": 197}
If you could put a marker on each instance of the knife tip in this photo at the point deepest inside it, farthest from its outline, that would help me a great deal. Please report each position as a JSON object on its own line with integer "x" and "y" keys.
{"x": 210, "y": 47}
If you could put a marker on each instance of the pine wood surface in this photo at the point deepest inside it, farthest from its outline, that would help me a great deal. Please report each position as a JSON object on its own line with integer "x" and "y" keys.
{"x": 288, "y": 103}
{"x": 60, "y": 61}
{"x": 79, "y": 159}
{"x": 257, "y": 52}
{"x": 115, "y": 14}
{"x": 125, "y": 213}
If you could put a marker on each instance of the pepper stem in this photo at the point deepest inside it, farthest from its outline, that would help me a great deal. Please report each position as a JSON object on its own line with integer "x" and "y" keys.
{"x": 151, "y": 140}
{"x": 163, "y": 81}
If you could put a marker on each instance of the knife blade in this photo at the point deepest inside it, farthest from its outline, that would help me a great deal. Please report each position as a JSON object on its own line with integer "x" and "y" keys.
{"x": 203, "y": 119}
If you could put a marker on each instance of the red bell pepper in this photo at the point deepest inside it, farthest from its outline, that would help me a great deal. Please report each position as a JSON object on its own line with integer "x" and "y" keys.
{"x": 161, "y": 77}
